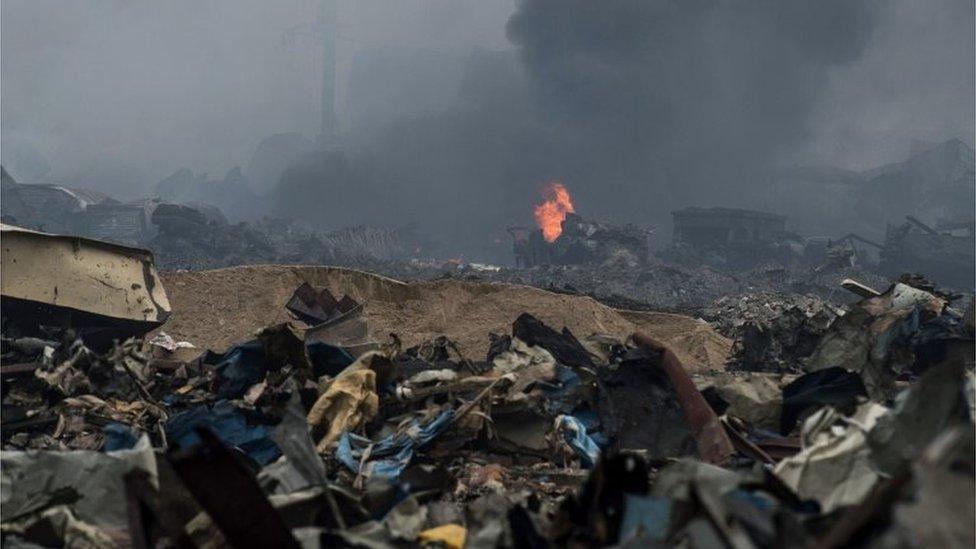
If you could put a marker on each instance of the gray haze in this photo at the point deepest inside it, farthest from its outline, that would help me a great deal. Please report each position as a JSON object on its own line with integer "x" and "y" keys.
{"x": 452, "y": 113}
{"x": 135, "y": 90}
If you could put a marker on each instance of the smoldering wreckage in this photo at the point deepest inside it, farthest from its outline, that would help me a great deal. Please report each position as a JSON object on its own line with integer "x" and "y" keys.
{"x": 286, "y": 406}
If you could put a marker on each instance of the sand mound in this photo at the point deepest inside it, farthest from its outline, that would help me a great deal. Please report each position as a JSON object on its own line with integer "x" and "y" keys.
{"x": 218, "y": 308}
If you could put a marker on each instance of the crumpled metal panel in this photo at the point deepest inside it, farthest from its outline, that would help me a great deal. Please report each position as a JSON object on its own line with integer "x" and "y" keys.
{"x": 70, "y": 273}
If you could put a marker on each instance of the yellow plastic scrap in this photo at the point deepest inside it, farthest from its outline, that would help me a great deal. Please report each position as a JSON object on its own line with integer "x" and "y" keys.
{"x": 349, "y": 402}
{"x": 447, "y": 535}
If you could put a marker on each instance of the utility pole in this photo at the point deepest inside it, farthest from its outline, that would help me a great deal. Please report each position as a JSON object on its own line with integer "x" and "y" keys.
{"x": 326, "y": 27}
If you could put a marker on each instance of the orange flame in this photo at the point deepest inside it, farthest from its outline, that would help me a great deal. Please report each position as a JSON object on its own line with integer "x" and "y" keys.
{"x": 550, "y": 214}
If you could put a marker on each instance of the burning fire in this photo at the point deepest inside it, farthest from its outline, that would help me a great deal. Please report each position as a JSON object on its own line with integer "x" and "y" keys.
{"x": 550, "y": 214}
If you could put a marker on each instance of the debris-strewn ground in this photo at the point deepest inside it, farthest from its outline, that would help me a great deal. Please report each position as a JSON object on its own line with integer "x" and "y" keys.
{"x": 329, "y": 407}
{"x": 218, "y": 308}
{"x": 656, "y": 285}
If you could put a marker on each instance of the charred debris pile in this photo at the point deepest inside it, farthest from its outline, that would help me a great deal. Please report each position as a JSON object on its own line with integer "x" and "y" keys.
{"x": 829, "y": 427}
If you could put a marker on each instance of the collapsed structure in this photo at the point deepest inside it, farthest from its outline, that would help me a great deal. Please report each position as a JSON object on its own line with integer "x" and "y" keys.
{"x": 731, "y": 237}
{"x": 729, "y": 227}
{"x": 948, "y": 254}
{"x": 193, "y": 235}
{"x": 50, "y": 208}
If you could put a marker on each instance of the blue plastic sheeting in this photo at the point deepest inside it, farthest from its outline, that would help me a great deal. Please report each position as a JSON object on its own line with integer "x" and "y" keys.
{"x": 119, "y": 436}
{"x": 563, "y": 397}
{"x": 229, "y": 424}
{"x": 591, "y": 420}
{"x": 902, "y": 330}
{"x": 562, "y": 393}
{"x": 646, "y": 517}
{"x": 239, "y": 368}
{"x": 327, "y": 359}
{"x": 390, "y": 455}
{"x": 574, "y": 433}
{"x": 245, "y": 364}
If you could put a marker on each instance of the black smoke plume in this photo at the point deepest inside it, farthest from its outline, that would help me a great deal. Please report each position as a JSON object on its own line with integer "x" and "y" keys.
{"x": 637, "y": 106}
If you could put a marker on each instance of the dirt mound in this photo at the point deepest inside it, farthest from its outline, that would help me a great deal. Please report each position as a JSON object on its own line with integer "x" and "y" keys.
{"x": 218, "y": 308}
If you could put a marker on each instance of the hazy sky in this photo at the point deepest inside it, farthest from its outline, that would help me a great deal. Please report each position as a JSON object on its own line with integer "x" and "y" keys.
{"x": 138, "y": 89}
{"x": 915, "y": 80}
{"x": 197, "y": 83}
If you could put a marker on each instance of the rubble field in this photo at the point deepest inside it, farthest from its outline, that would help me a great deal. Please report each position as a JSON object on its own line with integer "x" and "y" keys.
{"x": 313, "y": 406}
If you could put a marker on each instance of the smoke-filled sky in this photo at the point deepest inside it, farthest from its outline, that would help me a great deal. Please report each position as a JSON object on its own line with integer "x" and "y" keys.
{"x": 157, "y": 85}
{"x": 453, "y": 112}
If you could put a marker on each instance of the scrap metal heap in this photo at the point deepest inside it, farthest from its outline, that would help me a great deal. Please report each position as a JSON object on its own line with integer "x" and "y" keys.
{"x": 322, "y": 431}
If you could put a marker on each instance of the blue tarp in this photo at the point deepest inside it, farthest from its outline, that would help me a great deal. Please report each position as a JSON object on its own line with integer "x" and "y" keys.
{"x": 390, "y": 455}
{"x": 229, "y": 424}
{"x": 645, "y": 516}
{"x": 239, "y": 368}
{"x": 562, "y": 393}
{"x": 574, "y": 433}
{"x": 563, "y": 397}
{"x": 245, "y": 364}
{"x": 119, "y": 437}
